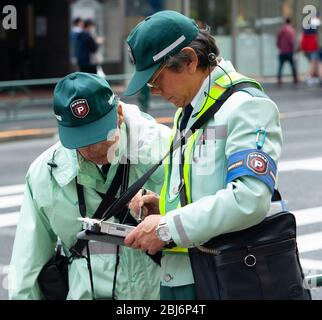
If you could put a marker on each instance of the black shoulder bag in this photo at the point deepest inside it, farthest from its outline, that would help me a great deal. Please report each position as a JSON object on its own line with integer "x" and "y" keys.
{"x": 257, "y": 263}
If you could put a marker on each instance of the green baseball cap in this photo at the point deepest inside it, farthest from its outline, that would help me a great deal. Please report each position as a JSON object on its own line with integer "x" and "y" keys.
{"x": 85, "y": 108}
{"x": 153, "y": 40}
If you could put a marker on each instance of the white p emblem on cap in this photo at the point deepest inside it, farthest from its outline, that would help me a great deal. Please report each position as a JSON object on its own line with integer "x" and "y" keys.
{"x": 80, "y": 108}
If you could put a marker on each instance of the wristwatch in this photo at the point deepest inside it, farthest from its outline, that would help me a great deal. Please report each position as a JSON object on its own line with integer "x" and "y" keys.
{"x": 162, "y": 231}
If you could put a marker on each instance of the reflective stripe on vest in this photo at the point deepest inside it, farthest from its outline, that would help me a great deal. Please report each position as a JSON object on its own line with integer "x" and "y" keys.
{"x": 220, "y": 86}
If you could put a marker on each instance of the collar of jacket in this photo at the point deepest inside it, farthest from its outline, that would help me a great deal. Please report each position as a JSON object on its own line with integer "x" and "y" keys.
{"x": 215, "y": 74}
{"x": 71, "y": 164}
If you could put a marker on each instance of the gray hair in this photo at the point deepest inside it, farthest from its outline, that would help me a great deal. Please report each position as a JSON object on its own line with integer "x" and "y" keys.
{"x": 203, "y": 45}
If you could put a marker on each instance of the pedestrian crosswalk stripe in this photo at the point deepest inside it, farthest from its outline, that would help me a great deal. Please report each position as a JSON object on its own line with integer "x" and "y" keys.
{"x": 9, "y": 219}
{"x": 301, "y": 114}
{"x": 311, "y": 164}
{"x": 4, "y": 269}
{"x": 308, "y": 216}
{"x": 310, "y": 264}
{"x": 310, "y": 242}
{"x": 13, "y": 189}
{"x": 10, "y": 201}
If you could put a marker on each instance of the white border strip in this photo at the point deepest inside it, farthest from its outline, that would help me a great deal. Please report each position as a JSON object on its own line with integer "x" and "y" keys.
{"x": 169, "y": 48}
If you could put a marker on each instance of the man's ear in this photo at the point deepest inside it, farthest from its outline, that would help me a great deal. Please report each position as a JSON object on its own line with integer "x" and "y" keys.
{"x": 120, "y": 116}
{"x": 192, "y": 66}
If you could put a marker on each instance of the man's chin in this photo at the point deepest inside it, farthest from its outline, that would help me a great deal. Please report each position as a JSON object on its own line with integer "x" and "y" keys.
{"x": 177, "y": 105}
{"x": 175, "y": 102}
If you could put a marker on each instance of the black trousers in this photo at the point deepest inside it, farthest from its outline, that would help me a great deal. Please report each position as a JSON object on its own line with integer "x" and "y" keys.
{"x": 286, "y": 57}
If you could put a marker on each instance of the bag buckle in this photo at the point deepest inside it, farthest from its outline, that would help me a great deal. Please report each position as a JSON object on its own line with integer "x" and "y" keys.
{"x": 250, "y": 260}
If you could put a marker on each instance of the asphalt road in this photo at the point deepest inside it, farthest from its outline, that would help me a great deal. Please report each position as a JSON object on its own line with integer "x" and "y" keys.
{"x": 300, "y": 173}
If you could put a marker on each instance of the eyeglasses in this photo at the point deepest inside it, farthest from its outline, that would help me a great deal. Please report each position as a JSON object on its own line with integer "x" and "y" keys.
{"x": 152, "y": 83}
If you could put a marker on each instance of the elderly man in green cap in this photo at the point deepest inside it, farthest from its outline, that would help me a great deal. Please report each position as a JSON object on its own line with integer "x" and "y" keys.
{"x": 202, "y": 196}
{"x": 104, "y": 146}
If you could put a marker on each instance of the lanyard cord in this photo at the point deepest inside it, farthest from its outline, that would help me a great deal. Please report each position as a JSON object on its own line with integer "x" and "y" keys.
{"x": 115, "y": 270}
{"x": 124, "y": 185}
{"x": 89, "y": 267}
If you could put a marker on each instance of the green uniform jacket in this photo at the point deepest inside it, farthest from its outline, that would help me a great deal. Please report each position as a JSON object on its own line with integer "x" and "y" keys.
{"x": 50, "y": 209}
{"x": 218, "y": 208}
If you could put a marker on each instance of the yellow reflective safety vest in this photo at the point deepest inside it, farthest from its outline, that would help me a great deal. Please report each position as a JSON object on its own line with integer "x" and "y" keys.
{"x": 220, "y": 86}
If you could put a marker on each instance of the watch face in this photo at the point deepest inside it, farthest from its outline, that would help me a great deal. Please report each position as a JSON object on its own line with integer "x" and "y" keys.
{"x": 164, "y": 234}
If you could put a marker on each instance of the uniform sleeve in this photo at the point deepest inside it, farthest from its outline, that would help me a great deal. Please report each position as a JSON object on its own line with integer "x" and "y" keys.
{"x": 34, "y": 245}
{"x": 245, "y": 201}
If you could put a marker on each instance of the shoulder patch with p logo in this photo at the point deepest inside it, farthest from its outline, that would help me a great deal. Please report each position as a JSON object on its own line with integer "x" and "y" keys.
{"x": 252, "y": 162}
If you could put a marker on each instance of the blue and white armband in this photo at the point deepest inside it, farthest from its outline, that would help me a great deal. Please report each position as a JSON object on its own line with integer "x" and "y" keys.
{"x": 252, "y": 162}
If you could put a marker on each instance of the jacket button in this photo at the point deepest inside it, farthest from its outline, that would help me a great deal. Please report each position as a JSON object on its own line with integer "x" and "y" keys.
{"x": 175, "y": 190}
{"x": 167, "y": 277}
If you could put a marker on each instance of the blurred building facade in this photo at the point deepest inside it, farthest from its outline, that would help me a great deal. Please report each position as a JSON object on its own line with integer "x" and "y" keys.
{"x": 245, "y": 31}
{"x": 37, "y": 48}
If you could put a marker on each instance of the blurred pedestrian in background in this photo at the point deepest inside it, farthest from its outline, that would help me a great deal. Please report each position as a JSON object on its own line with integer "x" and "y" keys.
{"x": 77, "y": 28}
{"x": 286, "y": 44}
{"x": 310, "y": 47}
{"x": 87, "y": 45}
{"x": 320, "y": 65}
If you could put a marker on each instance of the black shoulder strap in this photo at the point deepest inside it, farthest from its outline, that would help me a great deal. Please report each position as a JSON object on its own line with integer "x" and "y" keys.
{"x": 109, "y": 197}
{"x": 120, "y": 180}
{"x": 276, "y": 196}
{"x": 135, "y": 187}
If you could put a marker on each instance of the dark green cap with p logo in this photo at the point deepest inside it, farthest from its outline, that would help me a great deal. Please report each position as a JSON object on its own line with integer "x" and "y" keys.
{"x": 153, "y": 40}
{"x": 85, "y": 108}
